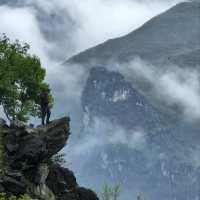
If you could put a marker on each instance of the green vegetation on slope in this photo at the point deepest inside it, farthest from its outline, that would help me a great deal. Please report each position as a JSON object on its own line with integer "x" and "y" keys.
{"x": 3, "y": 196}
{"x": 111, "y": 192}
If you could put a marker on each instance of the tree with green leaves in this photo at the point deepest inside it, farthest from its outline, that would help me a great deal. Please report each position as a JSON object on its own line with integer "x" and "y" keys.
{"x": 21, "y": 80}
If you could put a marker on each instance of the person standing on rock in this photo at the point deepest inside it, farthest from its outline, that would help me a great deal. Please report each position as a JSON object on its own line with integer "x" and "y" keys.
{"x": 45, "y": 106}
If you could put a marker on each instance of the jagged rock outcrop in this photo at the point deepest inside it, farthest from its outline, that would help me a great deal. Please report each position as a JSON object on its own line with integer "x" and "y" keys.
{"x": 56, "y": 180}
{"x": 27, "y": 165}
{"x": 70, "y": 189}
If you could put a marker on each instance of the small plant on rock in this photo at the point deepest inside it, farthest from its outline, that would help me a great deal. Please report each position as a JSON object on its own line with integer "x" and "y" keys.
{"x": 111, "y": 192}
{"x": 4, "y": 196}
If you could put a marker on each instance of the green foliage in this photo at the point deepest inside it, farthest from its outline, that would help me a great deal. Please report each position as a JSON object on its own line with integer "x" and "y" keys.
{"x": 59, "y": 158}
{"x": 4, "y": 196}
{"x": 111, "y": 192}
{"x": 21, "y": 80}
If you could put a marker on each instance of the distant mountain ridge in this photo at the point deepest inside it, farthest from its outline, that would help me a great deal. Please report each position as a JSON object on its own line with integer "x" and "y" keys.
{"x": 173, "y": 32}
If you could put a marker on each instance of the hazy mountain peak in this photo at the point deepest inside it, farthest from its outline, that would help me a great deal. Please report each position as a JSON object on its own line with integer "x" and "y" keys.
{"x": 174, "y": 31}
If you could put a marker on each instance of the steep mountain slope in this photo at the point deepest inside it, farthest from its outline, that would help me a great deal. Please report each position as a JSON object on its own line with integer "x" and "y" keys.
{"x": 167, "y": 167}
{"x": 173, "y": 32}
{"x": 109, "y": 94}
{"x": 163, "y": 167}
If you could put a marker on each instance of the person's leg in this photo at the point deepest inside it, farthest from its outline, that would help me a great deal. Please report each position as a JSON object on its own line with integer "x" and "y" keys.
{"x": 48, "y": 115}
{"x": 43, "y": 112}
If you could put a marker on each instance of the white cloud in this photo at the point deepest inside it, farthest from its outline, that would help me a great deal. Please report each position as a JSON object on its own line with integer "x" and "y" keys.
{"x": 182, "y": 87}
{"x": 20, "y": 23}
{"x": 100, "y": 20}
{"x": 174, "y": 86}
{"x": 103, "y": 132}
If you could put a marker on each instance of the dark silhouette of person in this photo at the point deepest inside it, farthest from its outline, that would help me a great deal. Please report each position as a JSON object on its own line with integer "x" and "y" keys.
{"x": 45, "y": 107}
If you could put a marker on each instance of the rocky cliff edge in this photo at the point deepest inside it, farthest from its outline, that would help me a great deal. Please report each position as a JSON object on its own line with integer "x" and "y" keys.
{"x": 27, "y": 166}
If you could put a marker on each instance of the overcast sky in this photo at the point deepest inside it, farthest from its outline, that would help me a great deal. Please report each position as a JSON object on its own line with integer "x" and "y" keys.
{"x": 73, "y": 26}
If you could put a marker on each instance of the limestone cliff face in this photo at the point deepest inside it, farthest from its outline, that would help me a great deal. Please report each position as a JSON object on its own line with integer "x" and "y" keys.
{"x": 26, "y": 166}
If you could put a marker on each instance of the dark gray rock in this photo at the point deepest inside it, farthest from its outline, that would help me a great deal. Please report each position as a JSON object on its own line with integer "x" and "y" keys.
{"x": 26, "y": 147}
{"x": 55, "y": 135}
{"x": 17, "y": 124}
{"x": 63, "y": 183}
{"x": 42, "y": 174}
{"x": 3, "y": 122}
{"x": 61, "y": 180}
{"x": 2, "y": 189}
{"x": 86, "y": 194}
{"x": 32, "y": 150}
{"x": 27, "y": 154}
{"x": 14, "y": 183}
{"x": 12, "y": 148}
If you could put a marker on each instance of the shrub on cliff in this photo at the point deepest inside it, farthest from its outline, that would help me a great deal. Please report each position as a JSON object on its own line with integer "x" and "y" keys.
{"x": 58, "y": 158}
{"x": 3, "y": 196}
{"x": 111, "y": 192}
{"x": 21, "y": 80}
